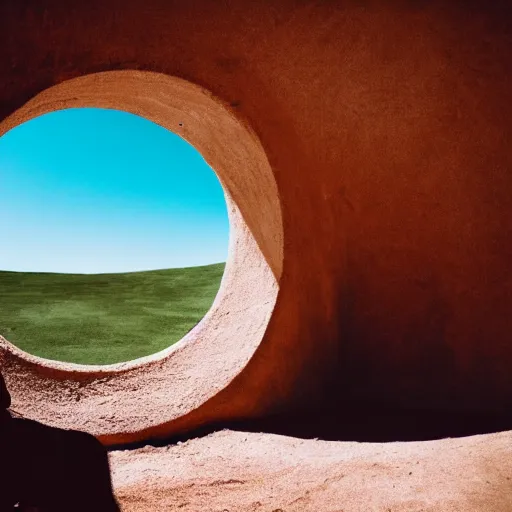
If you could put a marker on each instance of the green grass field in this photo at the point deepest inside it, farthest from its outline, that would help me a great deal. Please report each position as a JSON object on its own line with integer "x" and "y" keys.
{"x": 104, "y": 318}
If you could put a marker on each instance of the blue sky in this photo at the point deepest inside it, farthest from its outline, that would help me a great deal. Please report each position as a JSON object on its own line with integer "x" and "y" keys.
{"x": 95, "y": 190}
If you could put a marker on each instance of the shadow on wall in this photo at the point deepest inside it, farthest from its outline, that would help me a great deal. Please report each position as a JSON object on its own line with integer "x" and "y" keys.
{"x": 353, "y": 423}
{"x": 46, "y": 468}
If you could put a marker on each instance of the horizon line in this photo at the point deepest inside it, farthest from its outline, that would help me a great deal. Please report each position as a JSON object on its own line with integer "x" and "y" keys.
{"x": 110, "y": 273}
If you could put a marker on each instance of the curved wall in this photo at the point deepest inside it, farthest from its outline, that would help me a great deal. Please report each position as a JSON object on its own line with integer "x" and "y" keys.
{"x": 387, "y": 127}
{"x": 131, "y": 401}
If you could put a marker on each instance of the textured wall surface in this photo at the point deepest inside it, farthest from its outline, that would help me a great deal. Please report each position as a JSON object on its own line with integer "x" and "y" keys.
{"x": 171, "y": 390}
{"x": 387, "y": 126}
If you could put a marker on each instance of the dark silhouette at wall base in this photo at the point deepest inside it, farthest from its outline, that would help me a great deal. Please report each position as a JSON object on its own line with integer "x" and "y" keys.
{"x": 50, "y": 469}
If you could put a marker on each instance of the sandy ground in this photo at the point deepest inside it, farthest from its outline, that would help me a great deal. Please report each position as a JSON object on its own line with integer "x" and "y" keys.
{"x": 237, "y": 471}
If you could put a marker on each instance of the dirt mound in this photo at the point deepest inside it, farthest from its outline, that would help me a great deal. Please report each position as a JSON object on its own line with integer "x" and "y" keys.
{"x": 237, "y": 471}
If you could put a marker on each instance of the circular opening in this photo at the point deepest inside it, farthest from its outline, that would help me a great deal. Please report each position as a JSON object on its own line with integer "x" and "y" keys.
{"x": 118, "y": 235}
{"x": 175, "y": 389}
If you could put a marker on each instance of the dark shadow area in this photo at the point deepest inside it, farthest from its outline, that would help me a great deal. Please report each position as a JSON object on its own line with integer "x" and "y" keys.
{"x": 374, "y": 425}
{"x": 51, "y": 469}
{"x": 358, "y": 424}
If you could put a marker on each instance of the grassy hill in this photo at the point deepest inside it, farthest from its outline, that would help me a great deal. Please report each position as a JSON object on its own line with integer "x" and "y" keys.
{"x": 104, "y": 318}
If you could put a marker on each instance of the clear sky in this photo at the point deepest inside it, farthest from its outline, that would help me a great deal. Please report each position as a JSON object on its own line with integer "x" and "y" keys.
{"x": 95, "y": 190}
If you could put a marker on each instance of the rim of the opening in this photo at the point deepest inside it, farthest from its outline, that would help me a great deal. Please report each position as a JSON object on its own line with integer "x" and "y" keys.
{"x": 55, "y": 105}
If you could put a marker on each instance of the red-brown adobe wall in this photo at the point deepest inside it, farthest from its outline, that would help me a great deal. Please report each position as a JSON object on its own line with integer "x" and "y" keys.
{"x": 388, "y": 128}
